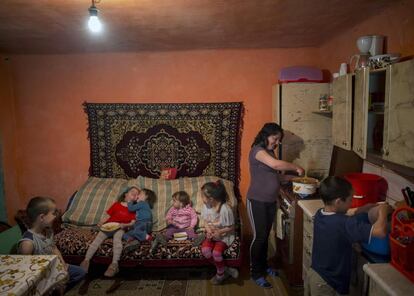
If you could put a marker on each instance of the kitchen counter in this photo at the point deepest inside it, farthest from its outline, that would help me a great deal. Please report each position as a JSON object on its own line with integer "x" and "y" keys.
{"x": 311, "y": 206}
{"x": 390, "y": 280}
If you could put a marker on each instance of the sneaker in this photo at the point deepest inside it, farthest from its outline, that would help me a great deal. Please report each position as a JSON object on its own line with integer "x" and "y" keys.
{"x": 161, "y": 239}
{"x": 199, "y": 239}
{"x": 272, "y": 272}
{"x": 262, "y": 282}
{"x": 112, "y": 270}
{"x": 131, "y": 246}
{"x": 218, "y": 280}
{"x": 85, "y": 265}
{"x": 233, "y": 272}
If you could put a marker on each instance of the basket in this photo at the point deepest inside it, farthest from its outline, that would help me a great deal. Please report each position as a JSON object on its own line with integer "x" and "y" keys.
{"x": 402, "y": 241}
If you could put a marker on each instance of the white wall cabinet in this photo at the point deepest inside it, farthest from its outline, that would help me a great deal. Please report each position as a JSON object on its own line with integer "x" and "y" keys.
{"x": 342, "y": 112}
{"x": 378, "y": 119}
{"x": 360, "y": 121}
{"x": 399, "y": 114}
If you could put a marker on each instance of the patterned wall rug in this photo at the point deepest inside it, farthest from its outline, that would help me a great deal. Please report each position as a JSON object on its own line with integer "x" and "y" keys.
{"x": 128, "y": 140}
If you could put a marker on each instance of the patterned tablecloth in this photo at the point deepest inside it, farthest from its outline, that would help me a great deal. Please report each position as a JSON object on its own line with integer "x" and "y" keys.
{"x": 30, "y": 274}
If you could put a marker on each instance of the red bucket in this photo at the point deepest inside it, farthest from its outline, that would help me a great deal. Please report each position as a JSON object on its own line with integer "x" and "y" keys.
{"x": 368, "y": 188}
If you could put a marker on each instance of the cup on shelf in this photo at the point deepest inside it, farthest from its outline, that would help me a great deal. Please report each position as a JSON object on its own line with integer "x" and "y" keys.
{"x": 343, "y": 69}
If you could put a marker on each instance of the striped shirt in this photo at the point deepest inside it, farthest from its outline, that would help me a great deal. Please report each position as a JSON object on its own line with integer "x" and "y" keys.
{"x": 42, "y": 245}
{"x": 182, "y": 218}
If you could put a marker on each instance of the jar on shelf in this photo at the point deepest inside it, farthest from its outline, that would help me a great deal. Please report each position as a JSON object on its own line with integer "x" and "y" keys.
{"x": 323, "y": 103}
{"x": 330, "y": 103}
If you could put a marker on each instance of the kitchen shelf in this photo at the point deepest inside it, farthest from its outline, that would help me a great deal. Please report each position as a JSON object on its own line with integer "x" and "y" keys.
{"x": 324, "y": 113}
{"x": 383, "y": 69}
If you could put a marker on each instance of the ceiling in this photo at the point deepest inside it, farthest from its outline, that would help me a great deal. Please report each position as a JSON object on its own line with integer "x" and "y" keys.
{"x": 59, "y": 26}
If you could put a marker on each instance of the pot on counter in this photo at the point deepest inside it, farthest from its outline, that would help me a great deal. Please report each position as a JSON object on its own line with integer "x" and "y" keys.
{"x": 304, "y": 186}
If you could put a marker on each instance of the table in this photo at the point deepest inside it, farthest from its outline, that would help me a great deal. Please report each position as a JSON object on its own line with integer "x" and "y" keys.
{"x": 30, "y": 274}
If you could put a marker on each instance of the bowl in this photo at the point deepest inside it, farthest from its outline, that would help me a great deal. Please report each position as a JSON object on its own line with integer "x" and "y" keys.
{"x": 304, "y": 186}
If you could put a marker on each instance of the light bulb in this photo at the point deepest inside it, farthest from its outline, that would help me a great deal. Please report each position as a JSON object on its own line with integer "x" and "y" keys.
{"x": 94, "y": 24}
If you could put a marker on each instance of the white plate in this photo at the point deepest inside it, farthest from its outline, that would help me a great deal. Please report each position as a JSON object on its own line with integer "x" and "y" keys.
{"x": 110, "y": 226}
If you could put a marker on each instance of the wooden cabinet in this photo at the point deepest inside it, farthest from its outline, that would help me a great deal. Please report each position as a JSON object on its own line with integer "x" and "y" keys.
{"x": 399, "y": 112}
{"x": 342, "y": 112}
{"x": 307, "y": 247}
{"x": 308, "y": 136}
{"x": 378, "y": 119}
{"x": 385, "y": 280}
{"x": 360, "y": 121}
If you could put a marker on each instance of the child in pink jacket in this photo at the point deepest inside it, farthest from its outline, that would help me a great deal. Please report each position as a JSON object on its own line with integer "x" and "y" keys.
{"x": 181, "y": 217}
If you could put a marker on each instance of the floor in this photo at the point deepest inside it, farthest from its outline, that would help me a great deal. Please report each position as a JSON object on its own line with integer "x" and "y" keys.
{"x": 173, "y": 282}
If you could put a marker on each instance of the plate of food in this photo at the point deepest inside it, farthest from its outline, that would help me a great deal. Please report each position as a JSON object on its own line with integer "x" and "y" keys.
{"x": 179, "y": 236}
{"x": 110, "y": 226}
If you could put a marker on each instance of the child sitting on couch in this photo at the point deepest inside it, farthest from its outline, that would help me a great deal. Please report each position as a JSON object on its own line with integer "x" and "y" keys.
{"x": 142, "y": 228}
{"x": 38, "y": 239}
{"x": 119, "y": 213}
{"x": 181, "y": 217}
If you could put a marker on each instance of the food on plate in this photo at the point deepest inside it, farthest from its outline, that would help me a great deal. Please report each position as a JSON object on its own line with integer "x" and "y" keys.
{"x": 305, "y": 180}
{"x": 110, "y": 226}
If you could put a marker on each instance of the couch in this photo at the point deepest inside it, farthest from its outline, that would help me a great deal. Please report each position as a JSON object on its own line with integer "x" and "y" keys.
{"x": 130, "y": 144}
{"x": 88, "y": 205}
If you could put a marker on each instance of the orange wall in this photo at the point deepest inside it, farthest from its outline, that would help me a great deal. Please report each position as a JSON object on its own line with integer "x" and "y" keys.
{"x": 53, "y": 150}
{"x": 8, "y": 140}
{"x": 396, "y": 23}
{"x": 50, "y": 90}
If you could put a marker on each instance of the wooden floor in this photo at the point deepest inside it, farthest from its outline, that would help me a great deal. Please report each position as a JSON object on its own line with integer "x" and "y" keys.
{"x": 175, "y": 282}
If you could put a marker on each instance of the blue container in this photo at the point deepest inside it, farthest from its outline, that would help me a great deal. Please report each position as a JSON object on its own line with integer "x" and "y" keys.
{"x": 378, "y": 245}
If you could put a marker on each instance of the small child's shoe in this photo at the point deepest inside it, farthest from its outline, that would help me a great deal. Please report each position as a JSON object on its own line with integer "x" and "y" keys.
{"x": 199, "y": 239}
{"x": 159, "y": 239}
{"x": 131, "y": 246}
{"x": 217, "y": 279}
{"x": 112, "y": 270}
{"x": 233, "y": 272}
{"x": 85, "y": 265}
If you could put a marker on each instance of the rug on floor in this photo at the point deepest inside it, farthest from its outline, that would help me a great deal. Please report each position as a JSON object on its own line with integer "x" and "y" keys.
{"x": 151, "y": 283}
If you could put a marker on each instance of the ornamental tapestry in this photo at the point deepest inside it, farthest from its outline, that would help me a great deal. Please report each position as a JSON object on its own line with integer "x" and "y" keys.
{"x": 130, "y": 140}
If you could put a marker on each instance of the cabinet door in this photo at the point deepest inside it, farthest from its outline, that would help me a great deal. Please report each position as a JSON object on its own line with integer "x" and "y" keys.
{"x": 361, "y": 112}
{"x": 399, "y": 112}
{"x": 342, "y": 112}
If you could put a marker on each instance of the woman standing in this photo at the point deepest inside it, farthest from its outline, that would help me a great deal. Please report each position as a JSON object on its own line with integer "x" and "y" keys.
{"x": 262, "y": 196}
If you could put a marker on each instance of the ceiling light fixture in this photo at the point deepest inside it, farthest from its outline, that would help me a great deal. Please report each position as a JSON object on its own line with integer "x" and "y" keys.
{"x": 94, "y": 23}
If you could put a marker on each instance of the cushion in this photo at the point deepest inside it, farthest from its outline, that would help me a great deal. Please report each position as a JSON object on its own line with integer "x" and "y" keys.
{"x": 9, "y": 239}
{"x": 98, "y": 194}
{"x": 75, "y": 242}
{"x": 164, "y": 189}
{"x": 93, "y": 199}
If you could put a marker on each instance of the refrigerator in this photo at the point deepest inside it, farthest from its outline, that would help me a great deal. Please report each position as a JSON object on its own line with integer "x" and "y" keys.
{"x": 308, "y": 131}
